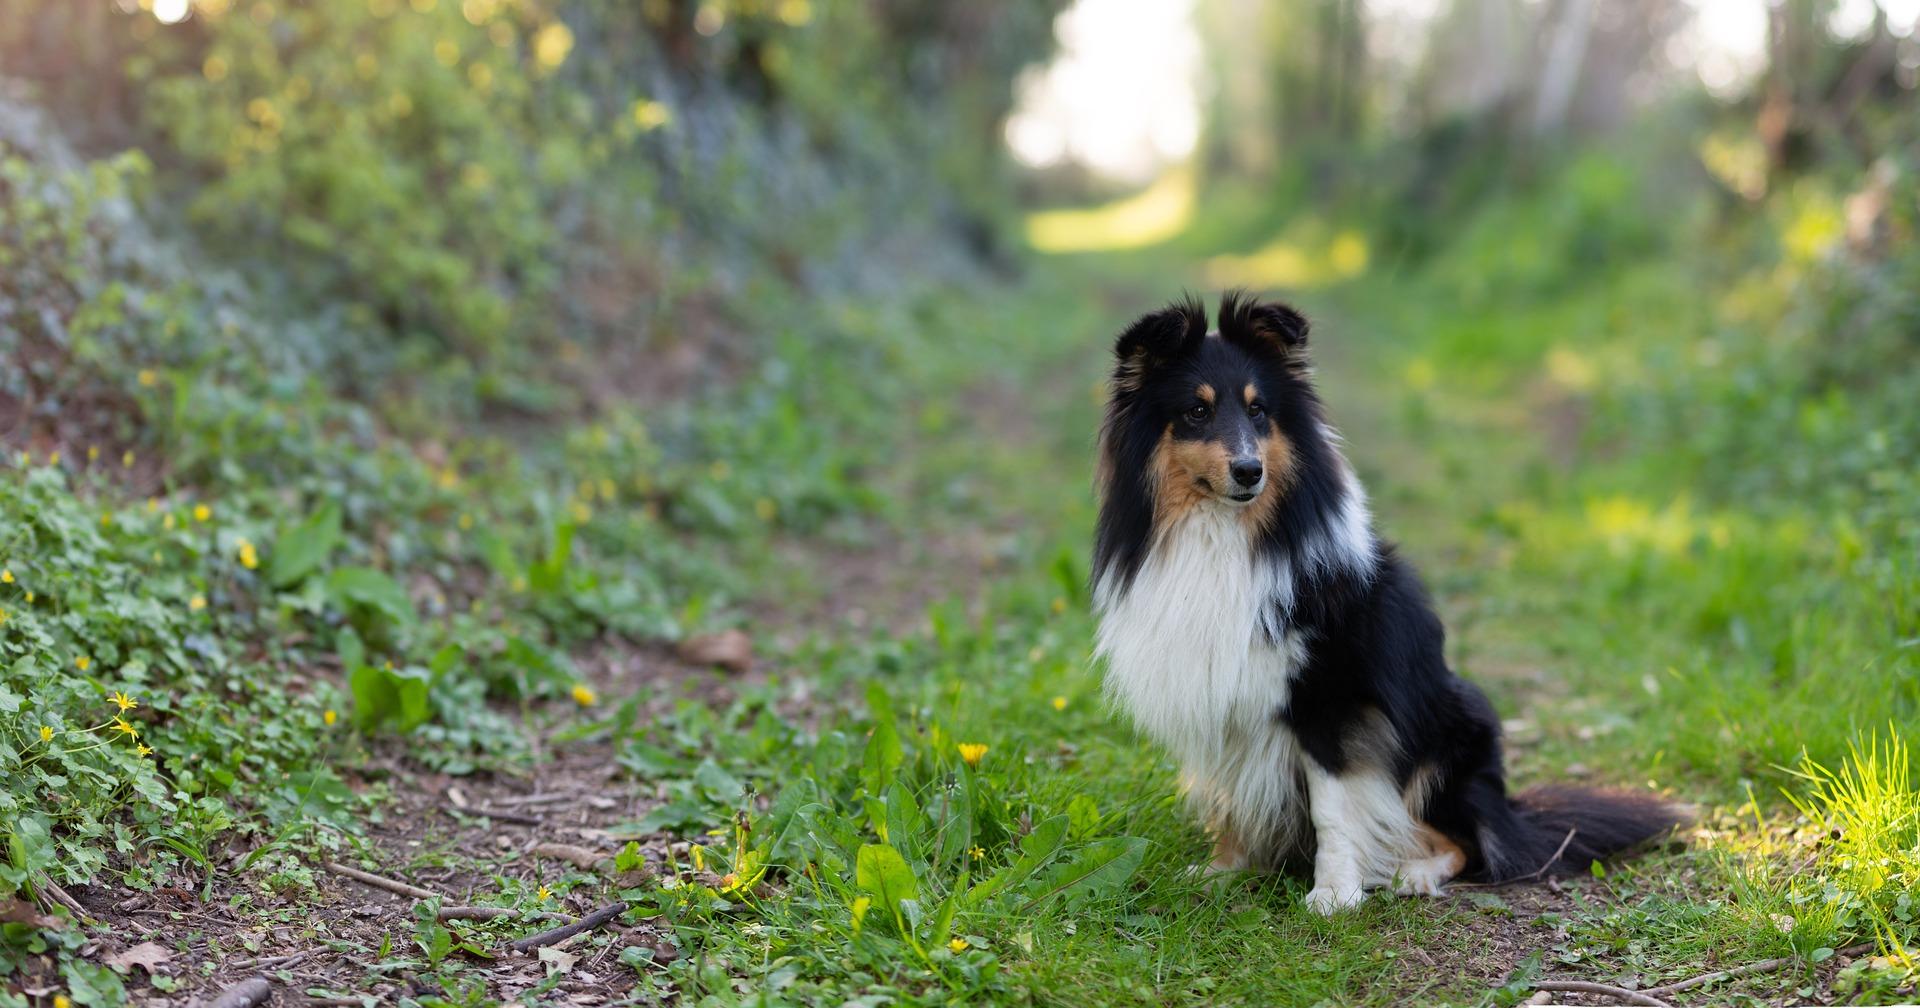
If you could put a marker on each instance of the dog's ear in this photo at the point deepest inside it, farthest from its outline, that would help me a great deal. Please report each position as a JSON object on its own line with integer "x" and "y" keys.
{"x": 1269, "y": 328}
{"x": 1155, "y": 339}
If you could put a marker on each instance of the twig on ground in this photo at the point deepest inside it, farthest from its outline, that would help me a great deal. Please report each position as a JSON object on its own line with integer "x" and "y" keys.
{"x": 512, "y": 817}
{"x": 543, "y": 798}
{"x": 1542, "y": 870}
{"x": 1608, "y": 990}
{"x": 1557, "y": 851}
{"x": 245, "y": 994}
{"x": 61, "y": 896}
{"x": 270, "y": 962}
{"x": 378, "y": 882}
{"x": 1652, "y": 995}
{"x": 1753, "y": 969}
{"x": 480, "y": 913}
{"x": 587, "y": 923}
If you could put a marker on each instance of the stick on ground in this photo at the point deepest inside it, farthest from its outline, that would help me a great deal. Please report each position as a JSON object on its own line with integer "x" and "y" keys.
{"x": 559, "y": 934}
{"x": 519, "y": 818}
{"x": 1608, "y": 990}
{"x": 245, "y": 994}
{"x": 480, "y": 913}
{"x": 1754, "y": 969}
{"x": 378, "y": 882}
{"x": 1652, "y": 995}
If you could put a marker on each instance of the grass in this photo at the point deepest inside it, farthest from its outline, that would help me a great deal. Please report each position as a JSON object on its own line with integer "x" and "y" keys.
{"x": 1677, "y": 555}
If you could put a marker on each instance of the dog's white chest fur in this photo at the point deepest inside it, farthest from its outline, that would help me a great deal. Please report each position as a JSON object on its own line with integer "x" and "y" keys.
{"x": 1190, "y": 655}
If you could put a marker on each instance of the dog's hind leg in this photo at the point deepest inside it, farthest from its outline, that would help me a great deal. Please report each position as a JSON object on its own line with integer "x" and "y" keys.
{"x": 1363, "y": 834}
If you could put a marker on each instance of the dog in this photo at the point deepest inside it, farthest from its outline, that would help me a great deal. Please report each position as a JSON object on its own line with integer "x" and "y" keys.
{"x": 1254, "y": 623}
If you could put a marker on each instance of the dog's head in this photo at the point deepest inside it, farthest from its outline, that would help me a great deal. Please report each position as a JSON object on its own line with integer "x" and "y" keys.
{"x": 1211, "y": 418}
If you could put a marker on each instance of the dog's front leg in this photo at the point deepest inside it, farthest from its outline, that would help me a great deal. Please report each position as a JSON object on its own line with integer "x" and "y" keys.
{"x": 1339, "y": 831}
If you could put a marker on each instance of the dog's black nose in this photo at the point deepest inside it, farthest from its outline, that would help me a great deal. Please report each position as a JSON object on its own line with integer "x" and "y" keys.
{"x": 1246, "y": 472}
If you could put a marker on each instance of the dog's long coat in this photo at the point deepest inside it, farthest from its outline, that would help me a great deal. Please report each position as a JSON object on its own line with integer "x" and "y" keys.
{"x": 1254, "y": 623}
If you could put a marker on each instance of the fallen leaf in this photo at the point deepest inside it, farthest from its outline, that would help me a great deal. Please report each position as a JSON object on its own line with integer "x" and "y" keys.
{"x": 15, "y": 911}
{"x": 730, "y": 649}
{"x": 557, "y": 961}
{"x": 145, "y": 955}
{"x": 582, "y": 858}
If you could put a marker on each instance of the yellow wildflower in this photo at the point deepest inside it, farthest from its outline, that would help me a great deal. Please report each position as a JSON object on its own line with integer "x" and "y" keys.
{"x": 53, "y": 459}
{"x": 201, "y": 512}
{"x": 60, "y": 1001}
{"x": 6, "y": 577}
{"x": 126, "y": 459}
{"x": 29, "y": 598}
{"x": 82, "y": 662}
{"x": 149, "y": 377}
{"x": 1059, "y": 605}
{"x": 330, "y": 716}
{"x": 584, "y": 695}
{"x": 544, "y": 894}
{"x": 695, "y": 852}
{"x": 167, "y": 522}
{"x": 466, "y": 521}
{"x": 971, "y": 752}
{"x": 958, "y": 945}
{"x": 121, "y": 724}
{"x": 1059, "y": 703}
{"x": 197, "y": 603}
{"x": 93, "y": 453}
{"x": 46, "y": 733}
{"x": 106, "y": 519}
{"x": 3, "y": 614}
{"x": 143, "y": 748}
{"x": 249, "y": 557}
{"x": 977, "y": 852}
{"x": 153, "y": 504}
{"x": 123, "y": 701}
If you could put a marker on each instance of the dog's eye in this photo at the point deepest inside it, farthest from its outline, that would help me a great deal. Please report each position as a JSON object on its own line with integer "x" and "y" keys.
{"x": 1256, "y": 411}
{"x": 1199, "y": 414}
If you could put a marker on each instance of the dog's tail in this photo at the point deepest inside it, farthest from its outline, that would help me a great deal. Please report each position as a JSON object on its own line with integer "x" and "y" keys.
{"x": 1561, "y": 830}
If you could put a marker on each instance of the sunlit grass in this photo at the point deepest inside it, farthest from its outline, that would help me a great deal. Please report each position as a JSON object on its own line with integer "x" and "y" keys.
{"x": 1869, "y": 857}
{"x": 1154, "y": 215}
{"x": 1292, "y": 263}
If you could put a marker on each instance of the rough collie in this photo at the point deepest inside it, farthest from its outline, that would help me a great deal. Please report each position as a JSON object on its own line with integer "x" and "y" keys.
{"x": 1254, "y": 623}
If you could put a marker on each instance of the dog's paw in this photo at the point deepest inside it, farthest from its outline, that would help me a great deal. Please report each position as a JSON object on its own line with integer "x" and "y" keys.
{"x": 1325, "y": 900}
{"x": 1425, "y": 877}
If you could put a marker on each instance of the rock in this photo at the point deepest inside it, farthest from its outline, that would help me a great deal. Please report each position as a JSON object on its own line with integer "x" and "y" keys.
{"x": 730, "y": 649}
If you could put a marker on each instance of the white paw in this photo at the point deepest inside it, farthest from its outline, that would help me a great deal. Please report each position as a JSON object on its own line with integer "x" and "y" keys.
{"x": 1324, "y": 900}
{"x": 1427, "y": 877}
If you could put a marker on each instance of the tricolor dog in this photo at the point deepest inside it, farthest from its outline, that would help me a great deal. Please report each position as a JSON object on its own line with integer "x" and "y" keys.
{"x": 1254, "y": 623}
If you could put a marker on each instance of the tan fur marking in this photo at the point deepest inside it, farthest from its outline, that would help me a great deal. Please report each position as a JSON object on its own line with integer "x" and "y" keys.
{"x": 1373, "y": 742}
{"x": 1205, "y": 392}
{"x": 1419, "y": 787}
{"x": 1276, "y": 454}
{"x": 1250, "y": 393}
{"x": 1228, "y": 853}
{"x": 1178, "y": 466}
{"x": 1439, "y": 844}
